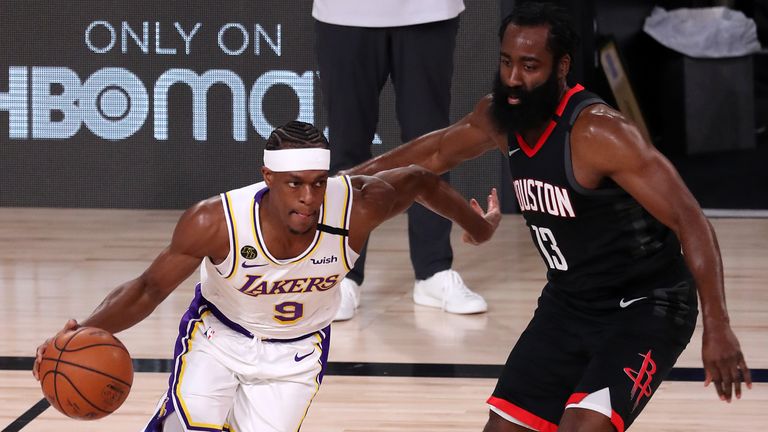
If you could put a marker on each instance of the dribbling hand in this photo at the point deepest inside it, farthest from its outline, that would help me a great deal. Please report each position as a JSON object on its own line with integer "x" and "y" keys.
{"x": 492, "y": 216}
{"x": 69, "y": 326}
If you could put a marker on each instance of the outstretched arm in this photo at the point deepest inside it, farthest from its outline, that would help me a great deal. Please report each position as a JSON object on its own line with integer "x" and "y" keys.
{"x": 197, "y": 234}
{"x": 441, "y": 150}
{"x": 197, "y": 231}
{"x": 391, "y": 192}
{"x": 606, "y": 145}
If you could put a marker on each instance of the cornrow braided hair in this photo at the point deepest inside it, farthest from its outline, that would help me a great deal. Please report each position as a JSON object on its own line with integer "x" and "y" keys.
{"x": 296, "y": 134}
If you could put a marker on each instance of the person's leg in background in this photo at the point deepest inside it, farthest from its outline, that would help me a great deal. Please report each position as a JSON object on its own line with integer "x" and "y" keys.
{"x": 422, "y": 71}
{"x": 353, "y": 66}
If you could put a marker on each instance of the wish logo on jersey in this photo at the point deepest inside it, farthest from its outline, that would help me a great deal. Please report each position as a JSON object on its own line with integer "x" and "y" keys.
{"x": 254, "y": 286}
{"x": 324, "y": 260}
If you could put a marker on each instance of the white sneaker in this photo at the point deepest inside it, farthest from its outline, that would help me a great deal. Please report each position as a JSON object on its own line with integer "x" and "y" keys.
{"x": 350, "y": 300}
{"x": 446, "y": 290}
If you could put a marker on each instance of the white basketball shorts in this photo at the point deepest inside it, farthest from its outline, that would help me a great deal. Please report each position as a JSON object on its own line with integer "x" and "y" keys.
{"x": 224, "y": 380}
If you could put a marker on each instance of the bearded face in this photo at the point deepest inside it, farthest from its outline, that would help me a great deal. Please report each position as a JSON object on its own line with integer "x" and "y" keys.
{"x": 517, "y": 109}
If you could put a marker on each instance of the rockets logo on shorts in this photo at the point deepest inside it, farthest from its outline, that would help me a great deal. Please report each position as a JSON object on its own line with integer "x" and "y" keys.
{"x": 642, "y": 378}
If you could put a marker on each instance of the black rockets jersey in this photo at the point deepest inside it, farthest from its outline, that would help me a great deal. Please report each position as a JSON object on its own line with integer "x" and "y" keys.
{"x": 594, "y": 242}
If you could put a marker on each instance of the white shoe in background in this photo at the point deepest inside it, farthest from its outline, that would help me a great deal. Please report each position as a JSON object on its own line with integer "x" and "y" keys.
{"x": 350, "y": 300}
{"x": 447, "y": 291}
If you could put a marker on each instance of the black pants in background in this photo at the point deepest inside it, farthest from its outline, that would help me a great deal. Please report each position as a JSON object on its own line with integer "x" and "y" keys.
{"x": 354, "y": 64}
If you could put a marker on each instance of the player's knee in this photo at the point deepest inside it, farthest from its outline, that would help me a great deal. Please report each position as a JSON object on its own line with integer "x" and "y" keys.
{"x": 583, "y": 420}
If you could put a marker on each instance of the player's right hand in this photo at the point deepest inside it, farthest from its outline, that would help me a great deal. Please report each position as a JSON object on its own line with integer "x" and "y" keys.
{"x": 69, "y": 326}
{"x": 492, "y": 216}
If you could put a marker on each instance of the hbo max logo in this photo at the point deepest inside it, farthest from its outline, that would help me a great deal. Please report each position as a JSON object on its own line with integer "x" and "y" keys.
{"x": 113, "y": 103}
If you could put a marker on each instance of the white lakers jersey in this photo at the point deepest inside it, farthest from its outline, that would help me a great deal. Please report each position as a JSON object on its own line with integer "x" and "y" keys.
{"x": 273, "y": 298}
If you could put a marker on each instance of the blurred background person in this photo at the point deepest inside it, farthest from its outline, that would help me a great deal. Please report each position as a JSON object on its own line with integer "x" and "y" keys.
{"x": 360, "y": 44}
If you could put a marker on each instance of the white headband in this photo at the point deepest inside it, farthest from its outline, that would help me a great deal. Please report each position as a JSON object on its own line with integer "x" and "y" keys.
{"x": 304, "y": 159}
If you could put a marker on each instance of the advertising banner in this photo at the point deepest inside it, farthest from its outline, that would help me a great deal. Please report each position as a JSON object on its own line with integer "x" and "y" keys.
{"x": 153, "y": 104}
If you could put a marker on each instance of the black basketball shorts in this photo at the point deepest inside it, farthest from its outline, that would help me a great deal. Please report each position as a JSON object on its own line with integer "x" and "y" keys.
{"x": 610, "y": 361}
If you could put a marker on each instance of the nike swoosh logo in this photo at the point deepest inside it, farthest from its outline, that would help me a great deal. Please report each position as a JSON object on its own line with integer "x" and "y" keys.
{"x": 624, "y": 304}
{"x": 300, "y": 358}
{"x": 253, "y": 265}
{"x": 511, "y": 152}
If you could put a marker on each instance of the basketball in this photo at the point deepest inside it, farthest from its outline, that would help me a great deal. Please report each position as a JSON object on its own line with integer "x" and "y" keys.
{"x": 86, "y": 373}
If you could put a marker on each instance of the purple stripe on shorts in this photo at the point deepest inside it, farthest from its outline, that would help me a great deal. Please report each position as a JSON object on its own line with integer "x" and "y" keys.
{"x": 325, "y": 346}
{"x": 156, "y": 424}
{"x": 187, "y": 325}
{"x": 193, "y": 313}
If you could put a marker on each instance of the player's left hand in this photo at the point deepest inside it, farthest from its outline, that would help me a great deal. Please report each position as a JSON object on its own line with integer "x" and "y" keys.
{"x": 724, "y": 363}
{"x": 68, "y": 326}
{"x": 492, "y": 216}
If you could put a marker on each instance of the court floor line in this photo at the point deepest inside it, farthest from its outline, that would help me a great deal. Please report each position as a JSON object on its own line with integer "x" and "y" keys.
{"x": 414, "y": 370}
{"x": 28, "y": 416}
{"x": 417, "y": 370}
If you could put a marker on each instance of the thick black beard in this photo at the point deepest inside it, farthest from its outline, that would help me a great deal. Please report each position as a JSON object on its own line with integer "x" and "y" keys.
{"x": 536, "y": 106}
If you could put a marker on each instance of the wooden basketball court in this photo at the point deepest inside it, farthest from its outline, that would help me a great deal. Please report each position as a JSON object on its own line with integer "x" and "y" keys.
{"x": 398, "y": 366}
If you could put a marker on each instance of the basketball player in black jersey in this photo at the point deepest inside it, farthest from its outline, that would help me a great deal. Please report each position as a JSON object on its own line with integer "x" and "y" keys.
{"x": 609, "y": 216}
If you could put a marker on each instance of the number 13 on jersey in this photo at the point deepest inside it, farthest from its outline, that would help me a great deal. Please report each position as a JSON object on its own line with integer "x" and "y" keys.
{"x": 548, "y": 247}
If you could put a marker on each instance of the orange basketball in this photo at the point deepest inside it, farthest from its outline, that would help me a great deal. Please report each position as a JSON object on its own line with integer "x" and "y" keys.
{"x": 86, "y": 373}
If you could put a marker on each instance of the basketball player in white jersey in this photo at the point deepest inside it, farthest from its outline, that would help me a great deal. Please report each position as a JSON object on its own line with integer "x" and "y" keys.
{"x": 253, "y": 344}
